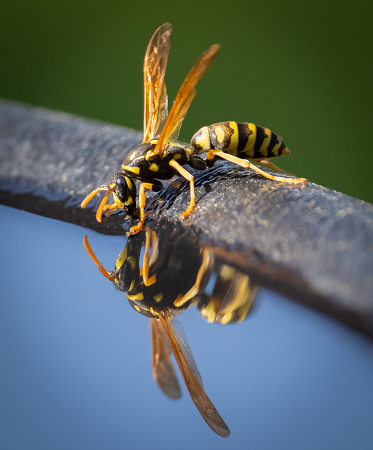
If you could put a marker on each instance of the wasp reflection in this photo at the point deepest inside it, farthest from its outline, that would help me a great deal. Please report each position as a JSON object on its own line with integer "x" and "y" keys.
{"x": 163, "y": 273}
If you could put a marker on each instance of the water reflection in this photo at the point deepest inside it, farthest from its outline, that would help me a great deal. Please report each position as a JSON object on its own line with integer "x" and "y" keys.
{"x": 163, "y": 272}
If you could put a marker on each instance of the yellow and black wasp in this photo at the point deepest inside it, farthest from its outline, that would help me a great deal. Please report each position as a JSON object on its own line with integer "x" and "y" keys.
{"x": 175, "y": 273}
{"x": 159, "y": 157}
{"x": 165, "y": 286}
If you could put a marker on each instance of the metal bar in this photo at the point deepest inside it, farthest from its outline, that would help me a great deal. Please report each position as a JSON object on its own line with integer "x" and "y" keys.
{"x": 310, "y": 243}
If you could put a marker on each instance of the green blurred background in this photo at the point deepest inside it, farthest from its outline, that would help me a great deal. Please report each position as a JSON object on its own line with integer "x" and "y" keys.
{"x": 303, "y": 69}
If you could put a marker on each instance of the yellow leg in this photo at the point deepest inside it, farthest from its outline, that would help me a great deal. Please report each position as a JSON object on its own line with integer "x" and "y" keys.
{"x": 207, "y": 260}
{"x": 271, "y": 165}
{"x": 248, "y": 165}
{"x": 140, "y": 225}
{"x": 106, "y": 273}
{"x": 145, "y": 268}
{"x": 183, "y": 172}
{"x": 109, "y": 209}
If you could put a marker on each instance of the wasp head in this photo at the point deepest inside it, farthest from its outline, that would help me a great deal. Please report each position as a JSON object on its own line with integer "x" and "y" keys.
{"x": 124, "y": 196}
{"x": 124, "y": 192}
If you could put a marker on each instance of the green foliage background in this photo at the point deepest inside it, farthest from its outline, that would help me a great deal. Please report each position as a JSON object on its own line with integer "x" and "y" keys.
{"x": 303, "y": 69}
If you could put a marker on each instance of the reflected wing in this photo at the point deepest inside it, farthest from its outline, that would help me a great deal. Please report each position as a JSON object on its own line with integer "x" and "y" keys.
{"x": 184, "y": 98}
{"x": 192, "y": 378}
{"x": 155, "y": 96}
{"x": 162, "y": 367}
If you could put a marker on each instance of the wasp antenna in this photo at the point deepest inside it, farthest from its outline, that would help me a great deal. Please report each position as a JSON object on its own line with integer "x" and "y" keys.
{"x": 102, "y": 205}
{"x": 109, "y": 275}
{"x": 92, "y": 194}
{"x": 89, "y": 250}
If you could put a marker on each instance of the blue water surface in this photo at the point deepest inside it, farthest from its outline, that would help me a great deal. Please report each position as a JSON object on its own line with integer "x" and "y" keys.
{"x": 75, "y": 368}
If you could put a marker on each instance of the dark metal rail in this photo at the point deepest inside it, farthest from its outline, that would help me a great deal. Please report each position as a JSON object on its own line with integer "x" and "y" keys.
{"x": 310, "y": 243}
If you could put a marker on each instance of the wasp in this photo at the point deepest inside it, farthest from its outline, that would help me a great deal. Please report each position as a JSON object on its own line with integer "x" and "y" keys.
{"x": 159, "y": 157}
{"x": 161, "y": 295}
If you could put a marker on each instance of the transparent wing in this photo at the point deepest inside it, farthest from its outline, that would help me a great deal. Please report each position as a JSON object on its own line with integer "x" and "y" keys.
{"x": 184, "y": 98}
{"x": 155, "y": 95}
{"x": 162, "y": 367}
{"x": 191, "y": 377}
{"x": 180, "y": 335}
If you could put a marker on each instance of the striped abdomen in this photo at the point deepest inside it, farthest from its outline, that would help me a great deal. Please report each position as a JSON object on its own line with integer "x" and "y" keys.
{"x": 241, "y": 139}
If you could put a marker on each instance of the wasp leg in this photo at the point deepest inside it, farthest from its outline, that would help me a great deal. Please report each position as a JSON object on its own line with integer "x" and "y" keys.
{"x": 145, "y": 267}
{"x": 106, "y": 273}
{"x": 244, "y": 163}
{"x": 183, "y": 172}
{"x": 142, "y": 202}
{"x": 207, "y": 260}
{"x": 271, "y": 165}
{"x": 109, "y": 209}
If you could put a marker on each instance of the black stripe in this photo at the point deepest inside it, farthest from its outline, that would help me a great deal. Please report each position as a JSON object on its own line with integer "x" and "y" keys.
{"x": 274, "y": 141}
{"x": 281, "y": 148}
{"x": 243, "y": 135}
{"x": 260, "y": 136}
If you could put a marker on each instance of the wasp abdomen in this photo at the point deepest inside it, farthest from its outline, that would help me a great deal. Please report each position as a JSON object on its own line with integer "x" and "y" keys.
{"x": 241, "y": 139}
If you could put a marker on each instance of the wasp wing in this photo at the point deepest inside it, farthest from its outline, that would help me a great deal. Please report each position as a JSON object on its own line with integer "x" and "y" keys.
{"x": 192, "y": 378}
{"x": 162, "y": 367}
{"x": 184, "y": 98}
{"x": 180, "y": 335}
{"x": 155, "y": 96}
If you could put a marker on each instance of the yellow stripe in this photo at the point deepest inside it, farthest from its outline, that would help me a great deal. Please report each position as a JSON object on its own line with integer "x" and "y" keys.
{"x": 121, "y": 258}
{"x": 138, "y": 297}
{"x": 202, "y": 138}
{"x": 117, "y": 201}
{"x": 274, "y": 151}
{"x": 244, "y": 311}
{"x": 234, "y": 138}
{"x": 249, "y": 148}
{"x": 226, "y": 318}
{"x": 132, "y": 284}
{"x": 263, "y": 149}
{"x": 158, "y": 297}
{"x": 129, "y": 201}
{"x": 209, "y": 313}
{"x": 128, "y": 181}
{"x": 132, "y": 262}
{"x": 153, "y": 312}
{"x": 220, "y": 134}
{"x": 135, "y": 170}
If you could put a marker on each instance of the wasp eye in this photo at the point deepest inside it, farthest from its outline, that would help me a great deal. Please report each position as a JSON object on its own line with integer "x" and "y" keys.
{"x": 121, "y": 188}
{"x": 124, "y": 194}
{"x": 119, "y": 183}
